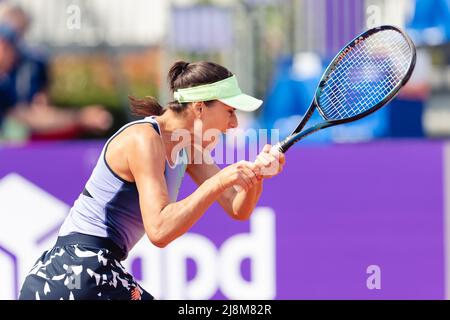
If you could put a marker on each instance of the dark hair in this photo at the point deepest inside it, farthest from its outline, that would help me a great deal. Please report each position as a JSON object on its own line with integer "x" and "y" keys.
{"x": 181, "y": 75}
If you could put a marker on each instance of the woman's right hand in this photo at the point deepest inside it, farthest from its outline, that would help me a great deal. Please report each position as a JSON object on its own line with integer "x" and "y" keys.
{"x": 242, "y": 174}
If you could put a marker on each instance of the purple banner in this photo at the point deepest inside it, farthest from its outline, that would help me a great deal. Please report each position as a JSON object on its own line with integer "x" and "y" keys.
{"x": 361, "y": 221}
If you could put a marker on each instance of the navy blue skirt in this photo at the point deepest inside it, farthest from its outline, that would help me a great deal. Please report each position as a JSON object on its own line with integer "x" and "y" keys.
{"x": 81, "y": 267}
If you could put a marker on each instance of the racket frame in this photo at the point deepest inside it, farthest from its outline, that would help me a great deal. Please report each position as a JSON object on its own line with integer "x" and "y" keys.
{"x": 298, "y": 134}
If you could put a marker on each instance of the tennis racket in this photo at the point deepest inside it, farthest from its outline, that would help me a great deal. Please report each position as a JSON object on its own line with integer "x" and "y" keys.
{"x": 367, "y": 74}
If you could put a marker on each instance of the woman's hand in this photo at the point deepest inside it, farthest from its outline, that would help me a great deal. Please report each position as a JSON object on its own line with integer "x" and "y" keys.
{"x": 241, "y": 174}
{"x": 269, "y": 162}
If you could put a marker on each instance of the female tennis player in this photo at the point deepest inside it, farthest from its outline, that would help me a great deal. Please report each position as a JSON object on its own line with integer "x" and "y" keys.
{"x": 133, "y": 188}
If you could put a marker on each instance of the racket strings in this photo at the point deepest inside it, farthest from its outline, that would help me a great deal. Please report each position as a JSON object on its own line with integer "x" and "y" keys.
{"x": 363, "y": 86}
{"x": 371, "y": 97}
{"x": 366, "y": 75}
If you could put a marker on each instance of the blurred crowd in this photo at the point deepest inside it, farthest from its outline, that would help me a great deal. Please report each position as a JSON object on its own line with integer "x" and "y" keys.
{"x": 285, "y": 78}
{"x": 25, "y": 105}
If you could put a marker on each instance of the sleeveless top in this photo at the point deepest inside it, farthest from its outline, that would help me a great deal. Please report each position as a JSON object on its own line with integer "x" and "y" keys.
{"x": 109, "y": 206}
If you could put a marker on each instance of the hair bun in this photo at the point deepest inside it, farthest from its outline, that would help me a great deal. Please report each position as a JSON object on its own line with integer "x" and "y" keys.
{"x": 175, "y": 71}
{"x": 185, "y": 66}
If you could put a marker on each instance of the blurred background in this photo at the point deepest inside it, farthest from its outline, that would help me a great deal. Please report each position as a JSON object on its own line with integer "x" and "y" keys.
{"x": 68, "y": 66}
{"x": 90, "y": 55}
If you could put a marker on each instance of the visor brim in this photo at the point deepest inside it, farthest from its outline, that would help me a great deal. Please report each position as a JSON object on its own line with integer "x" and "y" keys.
{"x": 242, "y": 102}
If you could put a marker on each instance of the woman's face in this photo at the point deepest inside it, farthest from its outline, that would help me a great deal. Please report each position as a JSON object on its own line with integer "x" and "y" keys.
{"x": 218, "y": 115}
{"x": 216, "y": 118}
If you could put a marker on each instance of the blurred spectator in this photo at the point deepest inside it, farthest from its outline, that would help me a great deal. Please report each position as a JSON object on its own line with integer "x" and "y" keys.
{"x": 407, "y": 110}
{"x": 291, "y": 93}
{"x": 430, "y": 23}
{"x": 23, "y": 87}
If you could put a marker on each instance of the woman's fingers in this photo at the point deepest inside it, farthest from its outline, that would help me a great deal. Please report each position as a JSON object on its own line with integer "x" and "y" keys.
{"x": 252, "y": 176}
{"x": 246, "y": 182}
{"x": 246, "y": 174}
{"x": 270, "y": 162}
{"x": 282, "y": 158}
{"x": 267, "y": 148}
{"x": 249, "y": 177}
{"x": 279, "y": 156}
{"x": 263, "y": 159}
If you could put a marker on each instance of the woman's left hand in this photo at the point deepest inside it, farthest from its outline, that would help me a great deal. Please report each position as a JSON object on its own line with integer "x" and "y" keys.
{"x": 270, "y": 162}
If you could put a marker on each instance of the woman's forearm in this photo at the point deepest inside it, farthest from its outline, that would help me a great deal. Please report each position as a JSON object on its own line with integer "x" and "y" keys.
{"x": 178, "y": 217}
{"x": 244, "y": 203}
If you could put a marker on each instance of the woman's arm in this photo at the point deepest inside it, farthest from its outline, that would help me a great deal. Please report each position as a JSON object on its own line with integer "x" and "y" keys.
{"x": 245, "y": 201}
{"x": 165, "y": 221}
{"x": 238, "y": 205}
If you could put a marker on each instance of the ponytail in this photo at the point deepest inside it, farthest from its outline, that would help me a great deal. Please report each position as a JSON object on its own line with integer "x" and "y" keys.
{"x": 145, "y": 107}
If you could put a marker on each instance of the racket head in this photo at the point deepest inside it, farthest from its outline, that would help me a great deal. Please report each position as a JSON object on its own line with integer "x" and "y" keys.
{"x": 365, "y": 75}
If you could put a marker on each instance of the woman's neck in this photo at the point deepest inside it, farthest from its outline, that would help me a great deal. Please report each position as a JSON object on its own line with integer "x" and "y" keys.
{"x": 169, "y": 123}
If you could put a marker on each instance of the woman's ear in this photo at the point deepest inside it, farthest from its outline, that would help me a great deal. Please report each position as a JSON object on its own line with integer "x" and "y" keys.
{"x": 198, "y": 109}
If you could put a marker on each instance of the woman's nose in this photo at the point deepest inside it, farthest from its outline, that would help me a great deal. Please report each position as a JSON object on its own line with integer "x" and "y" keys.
{"x": 233, "y": 122}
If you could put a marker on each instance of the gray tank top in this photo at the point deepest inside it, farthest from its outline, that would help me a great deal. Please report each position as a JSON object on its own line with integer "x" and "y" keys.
{"x": 109, "y": 205}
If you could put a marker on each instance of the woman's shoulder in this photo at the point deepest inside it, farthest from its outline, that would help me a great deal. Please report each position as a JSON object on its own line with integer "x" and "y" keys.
{"x": 143, "y": 147}
{"x": 141, "y": 134}
{"x": 144, "y": 127}
{"x": 133, "y": 148}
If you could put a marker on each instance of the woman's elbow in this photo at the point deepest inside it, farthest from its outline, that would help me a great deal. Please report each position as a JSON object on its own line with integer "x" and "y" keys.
{"x": 156, "y": 237}
{"x": 160, "y": 245}
{"x": 241, "y": 216}
{"x": 157, "y": 241}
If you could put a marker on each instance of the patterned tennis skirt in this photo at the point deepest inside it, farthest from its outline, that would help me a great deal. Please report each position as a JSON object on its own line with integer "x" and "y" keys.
{"x": 81, "y": 267}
